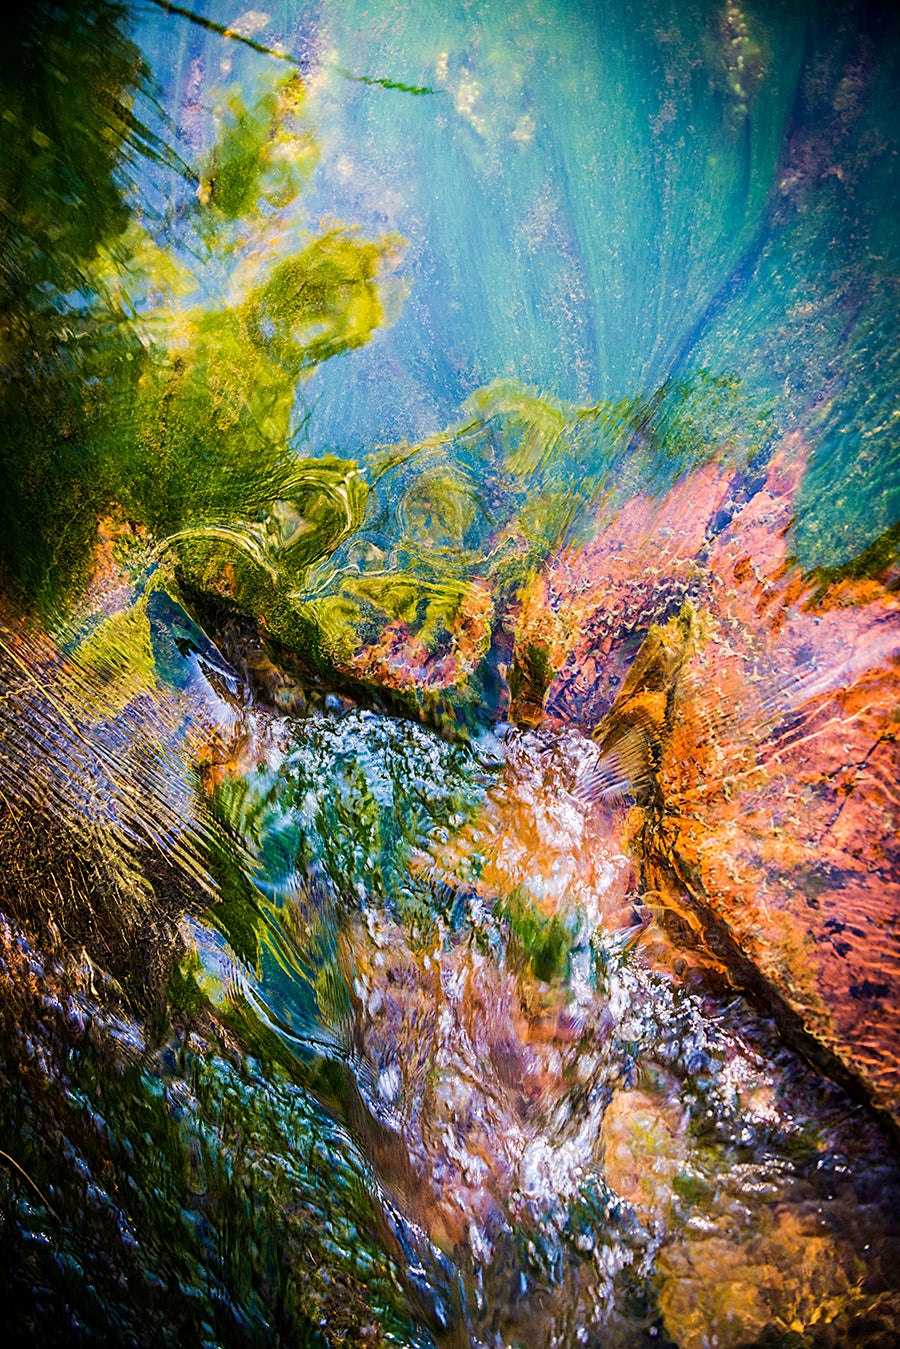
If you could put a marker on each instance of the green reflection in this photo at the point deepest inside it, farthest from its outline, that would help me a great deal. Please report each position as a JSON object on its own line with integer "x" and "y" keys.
{"x": 127, "y": 385}
{"x": 67, "y": 76}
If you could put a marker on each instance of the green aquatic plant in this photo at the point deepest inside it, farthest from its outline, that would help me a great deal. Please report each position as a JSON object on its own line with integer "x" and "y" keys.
{"x": 540, "y": 943}
{"x": 68, "y": 74}
{"x": 211, "y": 419}
{"x": 262, "y": 159}
{"x": 140, "y": 379}
{"x": 190, "y": 1194}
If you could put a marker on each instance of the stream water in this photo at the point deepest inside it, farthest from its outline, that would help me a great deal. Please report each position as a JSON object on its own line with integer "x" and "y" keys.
{"x": 450, "y": 496}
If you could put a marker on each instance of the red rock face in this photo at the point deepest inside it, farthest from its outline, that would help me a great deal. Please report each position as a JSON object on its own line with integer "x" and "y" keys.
{"x": 770, "y": 712}
{"x": 585, "y": 617}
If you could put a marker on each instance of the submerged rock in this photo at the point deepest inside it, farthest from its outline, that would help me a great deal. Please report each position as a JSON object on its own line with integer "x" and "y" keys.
{"x": 746, "y": 708}
{"x": 759, "y": 730}
{"x": 451, "y": 953}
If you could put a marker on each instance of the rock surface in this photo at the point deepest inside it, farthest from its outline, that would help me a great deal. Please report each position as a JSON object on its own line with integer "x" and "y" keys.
{"x": 768, "y": 712}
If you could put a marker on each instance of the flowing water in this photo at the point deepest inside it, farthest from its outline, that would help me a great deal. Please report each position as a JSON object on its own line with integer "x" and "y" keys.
{"x": 451, "y": 659}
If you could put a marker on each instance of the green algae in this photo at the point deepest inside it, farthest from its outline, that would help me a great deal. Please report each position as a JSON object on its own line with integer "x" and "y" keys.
{"x": 230, "y": 1204}
{"x": 149, "y": 398}
{"x": 540, "y": 942}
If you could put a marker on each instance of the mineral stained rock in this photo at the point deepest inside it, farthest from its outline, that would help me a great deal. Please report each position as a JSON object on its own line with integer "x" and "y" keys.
{"x": 751, "y": 709}
{"x": 760, "y": 710}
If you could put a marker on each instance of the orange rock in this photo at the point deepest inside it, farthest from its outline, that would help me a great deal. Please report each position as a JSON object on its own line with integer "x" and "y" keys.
{"x": 769, "y": 825}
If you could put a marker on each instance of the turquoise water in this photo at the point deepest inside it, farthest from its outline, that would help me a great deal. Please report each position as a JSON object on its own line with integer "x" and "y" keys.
{"x": 589, "y": 207}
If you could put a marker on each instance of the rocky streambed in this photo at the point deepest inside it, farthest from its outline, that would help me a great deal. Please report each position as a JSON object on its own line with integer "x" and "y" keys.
{"x": 323, "y": 1021}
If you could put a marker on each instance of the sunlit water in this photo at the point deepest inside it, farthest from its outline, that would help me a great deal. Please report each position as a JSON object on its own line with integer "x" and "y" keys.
{"x": 428, "y": 1068}
{"x": 425, "y": 460}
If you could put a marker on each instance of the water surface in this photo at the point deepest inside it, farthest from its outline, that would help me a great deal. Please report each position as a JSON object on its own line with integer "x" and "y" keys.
{"x": 450, "y": 638}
